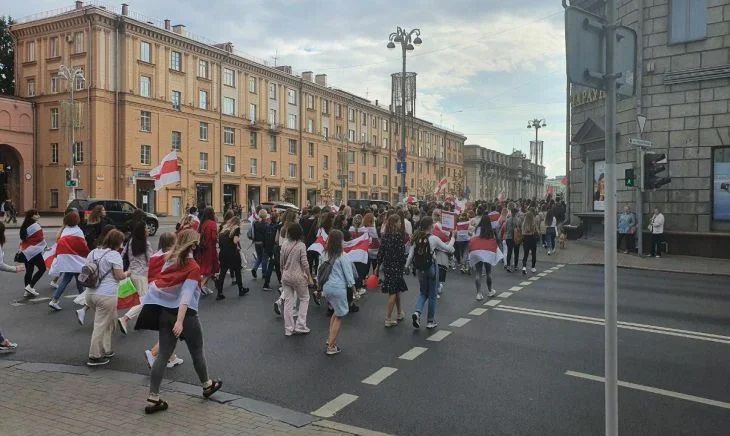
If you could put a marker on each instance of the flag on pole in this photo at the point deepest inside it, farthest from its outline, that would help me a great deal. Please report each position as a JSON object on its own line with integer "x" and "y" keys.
{"x": 440, "y": 186}
{"x": 167, "y": 172}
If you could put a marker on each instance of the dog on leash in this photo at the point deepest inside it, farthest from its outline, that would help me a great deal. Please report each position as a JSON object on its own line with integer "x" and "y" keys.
{"x": 562, "y": 240}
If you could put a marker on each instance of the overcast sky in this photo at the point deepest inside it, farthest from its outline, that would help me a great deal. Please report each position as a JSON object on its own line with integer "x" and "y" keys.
{"x": 485, "y": 67}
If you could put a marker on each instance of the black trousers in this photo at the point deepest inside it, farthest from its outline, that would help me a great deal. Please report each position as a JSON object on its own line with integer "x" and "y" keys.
{"x": 530, "y": 243}
{"x": 36, "y": 262}
{"x": 657, "y": 240}
{"x": 222, "y": 278}
{"x": 629, "y": 238}
{"x": 513, "y": 248}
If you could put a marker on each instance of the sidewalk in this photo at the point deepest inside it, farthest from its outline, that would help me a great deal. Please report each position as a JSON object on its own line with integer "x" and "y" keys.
{"x": 39, "y": 398}
{"x": 584, "y": 252}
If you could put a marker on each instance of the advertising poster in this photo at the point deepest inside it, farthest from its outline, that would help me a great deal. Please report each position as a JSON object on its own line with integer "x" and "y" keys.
{"x": 599, "y": 185}
{"x": 721, "y": 184}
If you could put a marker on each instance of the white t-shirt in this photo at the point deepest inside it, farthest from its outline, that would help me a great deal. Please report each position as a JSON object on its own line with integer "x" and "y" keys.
{"x": 111, "y": 259}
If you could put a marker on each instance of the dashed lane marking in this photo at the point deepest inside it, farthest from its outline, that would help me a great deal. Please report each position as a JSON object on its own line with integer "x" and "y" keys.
{"x": 461, "y": 322}
{"x": 542, "y": 274}
{"x": 534, "y": 278}
{"x": 478, "y": 311}
{"x": 378, "y": 376}
{"x": 413, "y": 353}
{"x": 331, "y": 408}
{"x": 515, "y": 288}
{"x": 492, "y": 303}
{"x": 505, "y": 295}
{"x": 549, "y": 271}
{"x": 525, "y": 283}
{"x": 560, "y": 265}
{"x": 438, "y": 336}
{"x": 653, "y": 390}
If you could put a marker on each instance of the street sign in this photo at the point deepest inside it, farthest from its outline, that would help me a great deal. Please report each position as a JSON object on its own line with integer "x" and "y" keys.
{"x": 400, "y": 167}
{"x": 640, "y": 142}
{"x": 402, "y": 154}
{"x": 641, "y": 120}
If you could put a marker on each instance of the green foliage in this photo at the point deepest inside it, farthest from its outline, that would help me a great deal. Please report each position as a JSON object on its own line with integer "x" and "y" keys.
{"x": 7, "y": 78}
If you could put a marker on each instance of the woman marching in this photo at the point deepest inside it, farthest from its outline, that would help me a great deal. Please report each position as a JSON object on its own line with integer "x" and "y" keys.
{"x": 32, "y": 244}
{"x": 171, "y": 308}
{"x": 138, "y": 252}
{"x": 207, "y": 256}
{"x": 71, "y": 252}
{"x": 335, "y": 288}
{"x": 484, "y": 252}
{"x": 295, "y": 278}
{"x": 530, "y": 234}
{"x": 230, "y": 256}
{"x": 392, "y": 259}
{"x": 94, "y": 226}
{"x": 5, "y": 344}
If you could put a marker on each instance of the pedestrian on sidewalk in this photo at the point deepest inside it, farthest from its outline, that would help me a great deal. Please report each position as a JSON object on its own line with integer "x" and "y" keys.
{"x": 530, "y": 234}
{"x": 484, "y": 253}
{"x": 656, "y": 227}
{"x": 551, "y": 230}
{"x": 103, "y": 297}
{"x": 10, "y": 211}
{"x": 230, "y": 256}
{"x": 137, "y": 252}
{"x": 171, "y": 308}
{"x": 626, "y": 229}
{"x": 32, "y": 245}
{"x": 392, "y": 259}
{"x": 335, "y": 288}
{"x": 71, "y": 253}
{"x": 3, "y": 266}
{"x": 295, "y": 280}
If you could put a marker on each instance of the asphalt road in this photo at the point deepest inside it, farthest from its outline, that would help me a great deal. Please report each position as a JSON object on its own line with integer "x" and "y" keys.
{"x": 503, "y": 372}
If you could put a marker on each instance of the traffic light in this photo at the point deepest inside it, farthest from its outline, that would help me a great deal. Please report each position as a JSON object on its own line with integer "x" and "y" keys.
{"x": 653, "y": 165}
{"x": 70, "y": 181}
{"x": 629, "y": 177}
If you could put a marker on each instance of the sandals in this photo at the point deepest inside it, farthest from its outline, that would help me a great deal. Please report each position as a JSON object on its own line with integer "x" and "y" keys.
{"x": 156, "y": 406}
{"x": 212, "y": 389}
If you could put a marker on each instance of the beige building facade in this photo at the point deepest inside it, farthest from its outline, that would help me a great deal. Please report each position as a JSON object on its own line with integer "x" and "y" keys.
{"x": 17, "y": 158}
{"x": 245, "y": 132}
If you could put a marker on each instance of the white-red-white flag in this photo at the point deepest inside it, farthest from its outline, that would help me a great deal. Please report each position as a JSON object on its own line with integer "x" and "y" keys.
{"x": 167, "y": 172}
{"x": 441, "y": 185}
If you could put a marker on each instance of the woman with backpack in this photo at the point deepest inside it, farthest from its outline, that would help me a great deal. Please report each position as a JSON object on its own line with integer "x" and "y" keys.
{"x": 32, "y": 245}
{"x": 334, "y": 286}
{"x": 229, "y": 241}
{"x": 392, "y": 259}
{"x": 484, "y": 252}
{"x": 422, "y": 256}
{"x": 530, "y": 234}
{"x": 295, "y": 279}
{"x": 137, "y": 254}
{"x": 207, "y": 253}
{"x": 107, "y": 260}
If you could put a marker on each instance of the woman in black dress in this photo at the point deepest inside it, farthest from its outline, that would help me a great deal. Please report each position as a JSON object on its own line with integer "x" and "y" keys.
{"x": 392, "y": 259}
{"x": 230, "y": 256}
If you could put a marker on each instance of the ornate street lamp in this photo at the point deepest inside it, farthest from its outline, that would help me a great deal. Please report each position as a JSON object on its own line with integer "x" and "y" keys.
{"x": 536, "y": 124}
{"x": 72, "y": 75}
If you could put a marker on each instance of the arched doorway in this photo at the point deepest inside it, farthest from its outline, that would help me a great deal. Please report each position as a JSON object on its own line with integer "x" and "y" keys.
{"x": 11, "y": 174}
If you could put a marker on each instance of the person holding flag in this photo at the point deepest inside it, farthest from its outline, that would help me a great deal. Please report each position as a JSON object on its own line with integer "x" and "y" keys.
{"x": 462, "y": 242}
{"x": 70, "y": 257}
{"x": 32, "y": 244}
{"x": 484, "y": 253}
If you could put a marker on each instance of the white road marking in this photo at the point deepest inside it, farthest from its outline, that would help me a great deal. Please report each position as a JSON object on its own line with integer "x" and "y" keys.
{"x": 534, "y": 278}
{"x": 549, "y": 271}
{"x": 378, "y": 376}
{"x": 515, "y": 288}
{"x": 413, "y": 353}
{"x": 492, "y": 303}
{"x": 653, "y": 390}
{"x": 621, "y": 324}
{"x": 330, "y": 409}
{"x": 461, "y": 322}
{"x": 478, "y": 311}
{"x": 560, "y": 265}
{"x": 438, "y": 336}
{"x": 542, "y": 274}
{"x": 525, "y": 283}
{"x": 505, "y": 295}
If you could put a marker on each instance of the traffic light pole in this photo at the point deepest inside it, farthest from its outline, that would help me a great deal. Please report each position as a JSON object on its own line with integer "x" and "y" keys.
{"x": 640, "y": 203}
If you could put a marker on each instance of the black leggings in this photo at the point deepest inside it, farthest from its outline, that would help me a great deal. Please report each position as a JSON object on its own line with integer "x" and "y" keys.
{"x": 478, "y": 273}
{"x": 313, "y": 259}
{"x": 442, "y": 273}
{"x": 513, "y": 248}
{"x": 37, "y": 262}
{"x": 222, "y": 278}
{"x": 530, "y": 243}
{"x": 362, "y": 273}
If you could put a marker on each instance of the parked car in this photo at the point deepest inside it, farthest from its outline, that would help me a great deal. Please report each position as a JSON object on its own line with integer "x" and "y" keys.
{"x": 365, "y": 203}
{"x": 279, "y": 206}
{"x": 117, "y": 211}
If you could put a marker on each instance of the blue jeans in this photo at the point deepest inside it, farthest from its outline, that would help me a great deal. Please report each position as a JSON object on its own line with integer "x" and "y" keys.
{"x": 428, "y": 285}
{"x": 64, "y": 281}
{"x": 550, "y": 235}
{"x": 262, "y": 259}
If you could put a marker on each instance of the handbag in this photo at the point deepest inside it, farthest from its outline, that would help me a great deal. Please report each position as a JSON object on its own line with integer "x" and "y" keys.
{"x": 19, "y": 257}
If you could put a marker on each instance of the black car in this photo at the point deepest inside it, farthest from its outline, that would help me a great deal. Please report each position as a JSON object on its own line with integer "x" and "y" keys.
{"x": 117, "y": 211}
{"x": 365, "y": 203}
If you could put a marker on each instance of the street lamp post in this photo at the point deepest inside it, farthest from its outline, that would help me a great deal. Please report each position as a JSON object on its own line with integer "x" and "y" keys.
{"x": 406, "y": 40}
{"x": 537, "y": 124}
{"x": 71, "y": 74}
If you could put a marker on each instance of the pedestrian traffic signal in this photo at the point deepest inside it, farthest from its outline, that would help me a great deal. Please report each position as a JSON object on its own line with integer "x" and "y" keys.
{"x": 629, "y": 177}
{"x": 654, "y": 163}
{"x": 70, "y": 181}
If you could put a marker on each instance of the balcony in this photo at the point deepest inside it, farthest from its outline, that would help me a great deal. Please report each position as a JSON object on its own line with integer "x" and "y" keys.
{"x": 274, "y": 128}
{"x": 257, "y": 124}
{"x": 369, "y": 147}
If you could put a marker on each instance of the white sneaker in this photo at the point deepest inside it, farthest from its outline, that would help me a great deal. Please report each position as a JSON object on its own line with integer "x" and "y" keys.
{"x": 533, "y": 270}
{"x": 480, "y": 297}
{"x": 54, "y": 305}
{"x": 362, "y": 291}
{"x": 491, "y": 293}
{"x": 149, "y": 358}
{"x": 432, "y": 325}
{"x": 31, "y": 291}
{"x": 122, "y": 322}
{"x": 441, "y": 288}
{"x": 80, "y": 315}
{"x": 174, "y": 362}
{"x": 54, "y": 284}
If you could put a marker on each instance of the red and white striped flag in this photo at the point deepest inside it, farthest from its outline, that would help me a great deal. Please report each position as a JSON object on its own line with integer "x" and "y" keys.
{"x": 34, "y": 243}
{"x": 175, "y": 285}
{"x": 167, "y": 172}
{"x": 462, "y": 231}
{"x": 71, "y": 252}
{"x": 319, "y": 243}
{"x": 484, "y": 250}
{"x": 48, "y": 257}
{"x": 441, "y": 233}
{"x": 441, "y": 185}
{"x": 157, "y": 260}
{"x": 494, "y": 219}
{"x": 357, "y": 249}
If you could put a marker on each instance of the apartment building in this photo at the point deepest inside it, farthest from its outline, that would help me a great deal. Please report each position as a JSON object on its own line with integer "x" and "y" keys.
{"x": 490, "y": 173}
{"x": 246, "y": 132}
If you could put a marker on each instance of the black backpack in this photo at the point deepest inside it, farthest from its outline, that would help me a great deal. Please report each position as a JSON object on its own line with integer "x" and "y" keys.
{"x": 422, "y": 254}
{"x": 324, "y": 271}
{"x": 89, "y": 276}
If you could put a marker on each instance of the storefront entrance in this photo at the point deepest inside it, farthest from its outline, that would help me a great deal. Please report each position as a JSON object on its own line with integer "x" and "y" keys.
{"x": 204, "y": 195}
{"x": 292, "y": 196}
{"x": 230, "y": 196}
{"x": 146, "y": 195}
{"x": 253, "y": 195}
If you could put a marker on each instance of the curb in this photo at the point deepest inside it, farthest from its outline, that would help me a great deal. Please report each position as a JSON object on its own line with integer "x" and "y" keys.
{"x": 646, "y": 268}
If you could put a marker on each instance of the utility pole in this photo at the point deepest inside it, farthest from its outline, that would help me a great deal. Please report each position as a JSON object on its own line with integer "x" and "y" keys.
{"x": 71, "y": 75}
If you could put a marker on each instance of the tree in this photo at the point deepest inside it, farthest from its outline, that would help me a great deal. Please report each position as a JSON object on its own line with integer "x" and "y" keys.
{"x": 7, "y": 76}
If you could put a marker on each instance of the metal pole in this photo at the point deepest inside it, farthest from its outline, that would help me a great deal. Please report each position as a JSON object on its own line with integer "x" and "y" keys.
{"x": 609, "y": 248}
{"x": 403, "y": 124}
{"x": 72, "y": 193}
{"x": 639, "y": 200}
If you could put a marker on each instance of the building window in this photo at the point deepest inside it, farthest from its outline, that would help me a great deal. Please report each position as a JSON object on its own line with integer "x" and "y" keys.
{"x": 230, "y": 166}
{"x": 351, "y": 176}
{"x": 203, "y": 69}
{"x": 364, "y": 159}
{"x": 203, "y": 99}
{"x": 54, "y": 198}
{"x": 176, "y": 98}
{"x": 55, "y": 83}
{"x": 252, "y": 111}
{"x": 375, "y": 161}
{"x": 252, "y": 84}
{"x": 386, "y": 159}
{"x": 54, "y": 118}
{"x": 293, "y": 146}
{"x": 375, "y": 179}
{"x": 272, "y": 91}
{"x": 351, "y": 135}
{"x": 385, "y": 125}
{"x": 310, "y": 101}
{"x": 338, "y": 110}
{"x": 79, "y": 42}
{"x": 272, "y": 143}
{"x": 30, "y": 53}
{"x": 385, "y": 142}
{"x": 351, "y": 157}
{"x": 203, "y": 161}
{"x": 176, "y": 61}
{"x": 311, "y": 172}
{"x": 254, "y": 166}
{"x": 364, "y": 119}
{"x": 385, "y": 180}
{"x": 338, "y": 130}
{"x": 351, "y": 114}
{"x": 145, "y": 121}
{"x": 203, "y": 131}
{"x": 53, "y": 47}
{"x": 363, "y": 179}
{"x": 229, "y": 77}
{"x": 688, "y": 21}
{"x": 292, "y": 122}
{"x": 310, "y": 126}
{"x": 79, "y": 83}
{"x": 176, "y": 140}
{"x": 54, "y": 153}
{"x": 78, "y": 152}
{"x": 326, "y": 132}
{"x": 326, "y": 163}
{"x": 145, "y": 155}
{"x": 254, "y": 140}
{"x": 145, "y": 52}
{"x": 292, "y": 170}
{"x": 272, "y": 117}
{"x": 229, "y": 136}
{"x": 144, "y": 86}
{"x": 311, "y": 149}
{"x": 291, "y": 96}
{"x": 229, "y": 106}
{"x": 272, "y": 168}
{"x": 31, "y": 87}
{"x": 325, "y": 106}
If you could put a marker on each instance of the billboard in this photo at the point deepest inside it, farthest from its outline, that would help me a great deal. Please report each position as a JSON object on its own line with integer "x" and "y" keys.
{"x": 599, "y": 185}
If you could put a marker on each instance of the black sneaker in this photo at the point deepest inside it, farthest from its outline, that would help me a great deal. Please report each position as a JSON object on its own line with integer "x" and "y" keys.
{"x": 253, "y": 273}
{"x": 242, "y": 292}
{"x": 97, "y": 361}
{"x": 220, "y": 297}
{"x": 354, "y": 308}
{"x": 416, "y": 320}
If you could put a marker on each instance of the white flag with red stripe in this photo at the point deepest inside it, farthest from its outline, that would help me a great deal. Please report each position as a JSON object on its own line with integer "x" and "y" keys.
{"x": 175, "y": 285}
{"x": 319, "y": 243}
{"x": 462, "y": 231}
{"x": 494, "y": 219}
{"x": 49, "y": 256}
{"x": 441, "y": 185}
{"x": 157, "y": 260}
{"x": 71, "y": 252}
{"x": 484, "y": 250}
{"x": 167, "y": 172}
{"x": 34, "y": 243}
{"x": 357, "y": 249}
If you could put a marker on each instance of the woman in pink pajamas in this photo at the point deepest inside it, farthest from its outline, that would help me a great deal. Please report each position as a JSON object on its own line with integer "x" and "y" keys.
{"x": 295, "y": 277}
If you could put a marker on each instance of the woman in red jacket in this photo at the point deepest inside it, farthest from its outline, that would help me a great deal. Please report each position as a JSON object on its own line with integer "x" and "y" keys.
{"x": 207, "y": 253}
